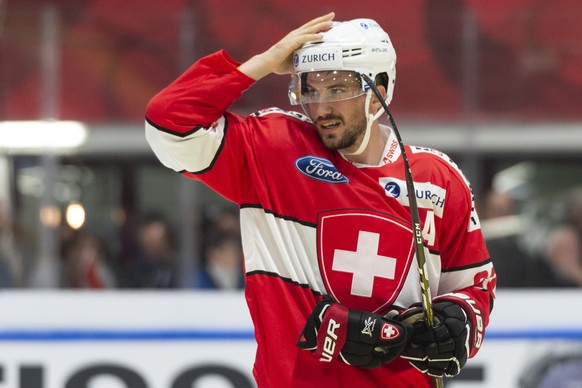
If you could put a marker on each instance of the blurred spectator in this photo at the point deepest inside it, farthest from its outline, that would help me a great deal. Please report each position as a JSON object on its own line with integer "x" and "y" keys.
{"x": 564, "y": 245}
{"x": 221, "y": 250}
{"x": 85, "y": 264}
{"x": 222, "y": 262}
{"x": 155, "y": 262}
{"x": 218, "y": 218}
{"x": 498, "y": 204}
{"x": 503, "y": 228}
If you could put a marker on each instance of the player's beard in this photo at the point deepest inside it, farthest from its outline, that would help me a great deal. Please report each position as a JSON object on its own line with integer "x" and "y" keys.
{"x": 352, "y": 131}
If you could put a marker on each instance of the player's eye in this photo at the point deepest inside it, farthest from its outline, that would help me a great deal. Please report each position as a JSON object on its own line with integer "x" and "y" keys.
{"x": 310, "y": 93}
{"x": 337, "y": 91}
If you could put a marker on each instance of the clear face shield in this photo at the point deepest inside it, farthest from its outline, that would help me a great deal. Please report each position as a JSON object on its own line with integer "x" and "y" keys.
{"x": 322, "y": 86}
{"x": 329, "y": 86}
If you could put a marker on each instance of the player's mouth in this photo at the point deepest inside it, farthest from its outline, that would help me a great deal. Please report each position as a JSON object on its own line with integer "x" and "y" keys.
{"x": 329, "y": 125}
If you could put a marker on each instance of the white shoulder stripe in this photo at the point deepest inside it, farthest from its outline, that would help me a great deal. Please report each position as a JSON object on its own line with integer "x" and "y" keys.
{"x": 192, "y": 153}
{"x": 281, "y": 247}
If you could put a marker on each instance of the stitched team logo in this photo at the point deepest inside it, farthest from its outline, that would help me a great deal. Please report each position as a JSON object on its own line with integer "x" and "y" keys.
{"x": 364, "y": 257}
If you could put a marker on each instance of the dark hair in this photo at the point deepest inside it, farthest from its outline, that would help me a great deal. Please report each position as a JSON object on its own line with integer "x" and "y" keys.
{"x": 382, "y": 80}
{"x": 222, "y": 237}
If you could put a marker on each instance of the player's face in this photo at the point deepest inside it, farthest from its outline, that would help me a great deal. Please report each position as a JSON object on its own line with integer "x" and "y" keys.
{"x": 336, "y": 106}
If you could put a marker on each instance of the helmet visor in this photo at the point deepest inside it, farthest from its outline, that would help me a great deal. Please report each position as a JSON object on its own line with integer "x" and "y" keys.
{"x": 324, "y": 86}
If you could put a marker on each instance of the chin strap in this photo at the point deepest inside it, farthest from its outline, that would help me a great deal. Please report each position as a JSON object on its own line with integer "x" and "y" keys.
{"x": 370, "y": 120}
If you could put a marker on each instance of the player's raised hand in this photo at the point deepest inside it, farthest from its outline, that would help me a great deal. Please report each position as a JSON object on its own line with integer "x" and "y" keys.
{"x": 278, "y": 58}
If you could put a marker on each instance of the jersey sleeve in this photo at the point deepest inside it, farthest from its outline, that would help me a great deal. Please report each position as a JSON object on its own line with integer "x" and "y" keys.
{"x": 187, "y": 124}
{"x": 468, "y": 276}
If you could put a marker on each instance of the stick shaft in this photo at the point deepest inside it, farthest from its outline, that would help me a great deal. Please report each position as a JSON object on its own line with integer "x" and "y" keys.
{"x": 415, "y": 217}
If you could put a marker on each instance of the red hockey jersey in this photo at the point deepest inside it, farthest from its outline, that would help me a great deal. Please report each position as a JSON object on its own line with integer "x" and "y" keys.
{"x": 313, "y": 223}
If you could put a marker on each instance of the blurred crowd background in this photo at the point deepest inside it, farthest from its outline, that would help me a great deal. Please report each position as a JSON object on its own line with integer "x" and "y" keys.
{"x": 85, "y": 204}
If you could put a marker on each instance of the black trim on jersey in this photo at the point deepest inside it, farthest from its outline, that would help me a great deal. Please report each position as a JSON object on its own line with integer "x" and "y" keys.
{"x": 475, "y": 265}
{"x": 286, "y": 280}
{"x": 169, "y": 131}
{"x": 218, "y": 152}
{"x": 286, "y": 218}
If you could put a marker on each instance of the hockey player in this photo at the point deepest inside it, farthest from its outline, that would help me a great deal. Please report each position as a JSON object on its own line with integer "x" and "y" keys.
{"x": 331, "y": 281}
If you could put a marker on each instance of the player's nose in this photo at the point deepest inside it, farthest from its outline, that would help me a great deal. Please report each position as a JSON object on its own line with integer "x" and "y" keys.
{"x": 320, "y": 109}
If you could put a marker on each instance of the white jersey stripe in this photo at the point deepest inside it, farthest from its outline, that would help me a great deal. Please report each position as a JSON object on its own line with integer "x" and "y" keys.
{"x": 177, "y": 152}
{"x": 264, "y": 233}
{"x": 280, "y": 246}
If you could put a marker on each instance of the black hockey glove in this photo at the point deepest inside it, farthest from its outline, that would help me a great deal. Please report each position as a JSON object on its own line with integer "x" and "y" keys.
{"x": 357, "y": 337}
{"x": 443, "y": 349}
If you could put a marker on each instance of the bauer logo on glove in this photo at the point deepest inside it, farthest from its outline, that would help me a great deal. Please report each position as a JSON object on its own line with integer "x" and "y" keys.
{"x": 355, "y": 337}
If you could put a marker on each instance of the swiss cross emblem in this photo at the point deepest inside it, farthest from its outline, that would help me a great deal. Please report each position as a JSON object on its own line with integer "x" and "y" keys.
{"x": 364, "y": 257}
{"x": 389, "y": 332}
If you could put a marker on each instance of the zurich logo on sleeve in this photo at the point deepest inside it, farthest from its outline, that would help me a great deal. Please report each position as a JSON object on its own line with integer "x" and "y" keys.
{"x": 393, "y": 189}
{"x": 320, "y": 169}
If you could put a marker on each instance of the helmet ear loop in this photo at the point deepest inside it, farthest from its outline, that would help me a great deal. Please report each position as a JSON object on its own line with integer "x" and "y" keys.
{"x": 370, "y": 118}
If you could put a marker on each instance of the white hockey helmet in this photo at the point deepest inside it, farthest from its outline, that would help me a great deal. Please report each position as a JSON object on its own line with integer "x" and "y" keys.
{"x": 358, "y": 45}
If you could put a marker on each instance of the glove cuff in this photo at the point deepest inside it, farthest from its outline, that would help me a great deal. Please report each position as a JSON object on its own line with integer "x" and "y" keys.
{"x": 474, "y": 317}
{"x": 332, "y": 332}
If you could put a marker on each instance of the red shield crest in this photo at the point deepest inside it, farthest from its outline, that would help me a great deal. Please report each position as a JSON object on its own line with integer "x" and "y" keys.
{"x": 364, "y": 257}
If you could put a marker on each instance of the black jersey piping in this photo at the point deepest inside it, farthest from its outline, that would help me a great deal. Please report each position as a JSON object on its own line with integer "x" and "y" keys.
{"x": 462, "y": 268}
{"x": 286, "y": 280}
{"x": 174, "y": 133}
{"x": 281, "y": 216}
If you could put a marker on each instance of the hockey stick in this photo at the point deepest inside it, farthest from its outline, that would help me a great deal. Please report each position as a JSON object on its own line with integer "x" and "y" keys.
{"x": 418, "y": 243}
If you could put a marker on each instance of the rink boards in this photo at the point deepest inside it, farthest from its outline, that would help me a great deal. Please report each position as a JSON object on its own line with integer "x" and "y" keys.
{"x": 56, "y": 339}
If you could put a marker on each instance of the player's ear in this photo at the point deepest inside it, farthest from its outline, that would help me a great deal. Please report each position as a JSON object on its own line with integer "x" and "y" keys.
{"x": 375, "y": 104}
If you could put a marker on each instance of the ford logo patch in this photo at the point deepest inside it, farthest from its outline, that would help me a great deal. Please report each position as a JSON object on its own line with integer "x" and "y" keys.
{"x": 320, "y": 169}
